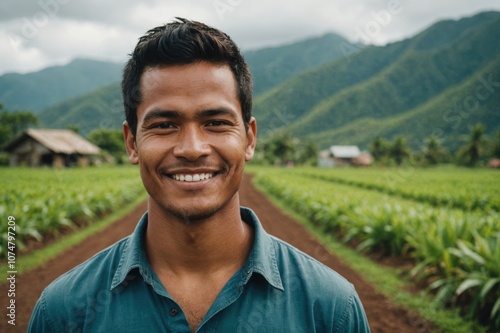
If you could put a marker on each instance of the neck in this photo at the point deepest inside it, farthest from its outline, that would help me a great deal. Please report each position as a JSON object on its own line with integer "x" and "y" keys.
{"x": 220, "y": 242}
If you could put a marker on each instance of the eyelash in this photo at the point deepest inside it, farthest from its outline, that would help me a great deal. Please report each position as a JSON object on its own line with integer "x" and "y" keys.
{"x": 219, "y": 123}
{"x": 168, "y": 125}
{"x": 162, "y": 124}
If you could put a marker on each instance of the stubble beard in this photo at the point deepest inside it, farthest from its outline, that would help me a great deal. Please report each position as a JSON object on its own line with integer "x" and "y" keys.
{"x": 197, "y": 214}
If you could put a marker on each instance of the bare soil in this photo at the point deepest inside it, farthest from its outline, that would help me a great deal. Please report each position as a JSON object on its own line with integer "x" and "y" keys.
{"x": 383, "y": 315}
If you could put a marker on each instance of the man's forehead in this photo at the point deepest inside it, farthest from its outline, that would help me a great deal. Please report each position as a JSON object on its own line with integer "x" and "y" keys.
{"x": 194, "y": 74}
{"x": 194, "y": 87}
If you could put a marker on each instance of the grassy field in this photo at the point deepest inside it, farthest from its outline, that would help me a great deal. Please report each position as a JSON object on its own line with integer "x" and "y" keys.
{"x": 446, "y": 219}
{"x": 467, "y": 189}
{"x": 44, "y": 200}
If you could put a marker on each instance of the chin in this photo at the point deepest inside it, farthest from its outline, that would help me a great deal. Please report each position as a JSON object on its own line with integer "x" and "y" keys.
{"x": 193, "y": 217}
{"x": 190, "y": 215}
{"x": 196, "y": 210}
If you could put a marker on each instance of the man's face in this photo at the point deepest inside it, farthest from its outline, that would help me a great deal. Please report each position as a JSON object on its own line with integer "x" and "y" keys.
{"x": 191, "y": 144}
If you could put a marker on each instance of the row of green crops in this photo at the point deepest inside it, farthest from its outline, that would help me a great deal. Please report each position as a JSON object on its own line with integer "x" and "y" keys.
{"x": 44, "y": 200}
{"x": 459, "y": 251}
{"x": 462, "y": 188}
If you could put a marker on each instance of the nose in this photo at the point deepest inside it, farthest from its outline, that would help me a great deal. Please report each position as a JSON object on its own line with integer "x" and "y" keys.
{"x": 192, "y": 144}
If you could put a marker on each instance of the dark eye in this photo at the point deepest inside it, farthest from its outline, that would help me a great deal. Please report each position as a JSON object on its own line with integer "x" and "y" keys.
{"x": 163, "y": 125}
{"x": 217, "y": 123}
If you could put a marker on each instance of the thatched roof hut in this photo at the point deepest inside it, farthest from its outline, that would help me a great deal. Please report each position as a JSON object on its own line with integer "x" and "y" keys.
{"x": 53, "y": 147}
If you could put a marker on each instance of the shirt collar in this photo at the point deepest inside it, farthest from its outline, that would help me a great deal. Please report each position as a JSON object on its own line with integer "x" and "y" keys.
{"x": 133, "y": 255}
{"x": 262, "y": 258}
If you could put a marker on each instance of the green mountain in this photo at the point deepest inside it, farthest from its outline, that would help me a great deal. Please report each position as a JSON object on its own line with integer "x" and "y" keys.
{"x": 441, "y": 82}
{"x": 274, "y": 65}
{"x": 38, "y": 90}
{"x": 447, "y": 116}
{"x": 101, "y": 108}
{"x": 270, "y": 67}
{"x": 347, "y": 100}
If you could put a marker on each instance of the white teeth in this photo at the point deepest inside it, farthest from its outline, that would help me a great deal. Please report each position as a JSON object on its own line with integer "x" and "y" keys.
{"x": 193, "y": 178}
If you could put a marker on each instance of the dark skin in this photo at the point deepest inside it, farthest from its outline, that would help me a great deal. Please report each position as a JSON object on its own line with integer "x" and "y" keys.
{"x": 191, "y": 146}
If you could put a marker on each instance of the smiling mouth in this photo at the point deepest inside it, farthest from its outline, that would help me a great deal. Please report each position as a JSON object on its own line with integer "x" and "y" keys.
{"x": 195, "y": 177}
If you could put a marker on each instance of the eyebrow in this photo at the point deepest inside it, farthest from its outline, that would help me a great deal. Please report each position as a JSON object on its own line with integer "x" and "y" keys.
{"x": 217, "y": 112}
{"x": 155, "y": 114}
{"x": 172, "y": 114}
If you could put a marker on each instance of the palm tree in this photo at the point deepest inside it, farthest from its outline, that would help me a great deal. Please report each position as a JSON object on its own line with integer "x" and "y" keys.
{"x": 399, "y": 150}
{"x": 433, "y": 151}
{"x": 280, "y": 147}
{"x": 496, "y": 146}
{"x": 308, "y": 153}
{"x": 473, "y": 149}
{"x": 379, "y": 148}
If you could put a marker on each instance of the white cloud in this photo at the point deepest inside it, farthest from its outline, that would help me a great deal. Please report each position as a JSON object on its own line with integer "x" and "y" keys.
{"x": 46, "y": 32}
{"x": 15, "y": 57}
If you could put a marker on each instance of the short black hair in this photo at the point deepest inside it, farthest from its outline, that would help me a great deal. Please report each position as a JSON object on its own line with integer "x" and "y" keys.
{"x": 183, "y": 42}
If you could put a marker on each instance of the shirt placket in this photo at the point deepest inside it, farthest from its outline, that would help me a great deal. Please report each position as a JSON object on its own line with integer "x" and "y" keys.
{"x": 172, "y": 313}
{"x": 228, "y": 295}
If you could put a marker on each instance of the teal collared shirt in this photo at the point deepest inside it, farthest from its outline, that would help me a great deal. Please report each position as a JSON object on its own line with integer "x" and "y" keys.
{"x": 278, "y": 289}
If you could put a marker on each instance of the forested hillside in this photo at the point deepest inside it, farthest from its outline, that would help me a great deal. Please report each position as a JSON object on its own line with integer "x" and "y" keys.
{"x": 101, "y": 108}
{"x": 345, "y": 101}
{"x": 38, "y": 90}
{"x": 315, "y": 88}
{"x": 448, "y": 116}
{"x": 270, "y": 67}
{"x": 274, "y": 65}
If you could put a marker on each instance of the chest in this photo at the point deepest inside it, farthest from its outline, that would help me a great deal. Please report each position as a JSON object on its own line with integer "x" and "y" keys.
{"x": 250, "y": 309}
{"x": 195, "y": 301}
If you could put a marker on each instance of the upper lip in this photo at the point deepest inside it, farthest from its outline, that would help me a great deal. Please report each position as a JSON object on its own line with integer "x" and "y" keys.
{"x": 189, "y": 171}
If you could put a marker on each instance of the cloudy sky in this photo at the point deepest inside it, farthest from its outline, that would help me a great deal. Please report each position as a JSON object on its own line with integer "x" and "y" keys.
{"x": 38, "y": 33}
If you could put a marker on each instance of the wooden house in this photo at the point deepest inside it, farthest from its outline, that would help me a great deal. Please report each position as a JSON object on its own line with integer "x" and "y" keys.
{"x": 50, "y": 147}
{"x": 343, "y": 156}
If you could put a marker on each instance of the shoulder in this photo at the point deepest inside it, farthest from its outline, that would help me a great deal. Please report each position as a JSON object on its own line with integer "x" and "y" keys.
{"x": 94, "y": 272}
{"x": 309, "y": 282}
{"x": 71, "y": 292}
{"x": 293, "y": 261}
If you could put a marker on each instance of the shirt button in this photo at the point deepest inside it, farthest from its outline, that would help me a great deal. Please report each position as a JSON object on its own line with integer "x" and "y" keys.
{"x": 173, "y": 312}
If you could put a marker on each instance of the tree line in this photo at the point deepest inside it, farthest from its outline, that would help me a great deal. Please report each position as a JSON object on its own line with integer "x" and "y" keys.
{"x": 281, "y": 147}
{"x": 13, "y": 123}
{"x": 477, "y": 149}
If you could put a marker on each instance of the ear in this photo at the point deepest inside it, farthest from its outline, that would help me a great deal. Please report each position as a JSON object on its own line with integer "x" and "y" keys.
{"x": 130, "y": 145}
{"x": 251, "y": 139}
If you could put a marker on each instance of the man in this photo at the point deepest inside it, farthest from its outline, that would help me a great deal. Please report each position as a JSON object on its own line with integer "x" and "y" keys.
{"x": 197, "y": 261}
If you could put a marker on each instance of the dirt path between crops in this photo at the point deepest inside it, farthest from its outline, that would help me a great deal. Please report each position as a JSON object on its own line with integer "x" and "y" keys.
{"x": 382, "y": 315}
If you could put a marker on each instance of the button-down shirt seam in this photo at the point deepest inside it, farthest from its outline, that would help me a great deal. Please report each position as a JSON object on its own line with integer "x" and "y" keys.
{"x": 221, "y": 307}
{"x": 303, "y": 254}
{"x": 46, "y": 316}
{"x": 343, "y": 319}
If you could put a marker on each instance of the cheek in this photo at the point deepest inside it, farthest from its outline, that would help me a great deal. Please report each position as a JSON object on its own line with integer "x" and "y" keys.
{"x": 233, "y": 148}
{"x": 152, "y": 151}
